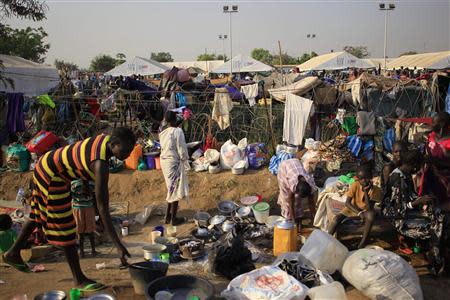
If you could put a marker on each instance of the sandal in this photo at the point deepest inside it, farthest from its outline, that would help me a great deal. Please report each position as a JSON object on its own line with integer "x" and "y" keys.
{"x": 19, "y": 267}
{"x": 405, "y": 250}
{"x": 93, "y": 287}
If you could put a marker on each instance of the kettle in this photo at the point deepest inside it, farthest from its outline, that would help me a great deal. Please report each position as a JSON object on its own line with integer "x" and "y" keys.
{"x": 284, "y": 237}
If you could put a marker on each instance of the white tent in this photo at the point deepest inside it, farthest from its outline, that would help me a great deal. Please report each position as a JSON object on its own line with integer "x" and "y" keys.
{"x": 138, "y": 66}
{"x": 434, "y": 61}
{"x": 334, "y": 61}
{"x": 30, "y": 78}
{"x": 377, "y": 62}
{"x": 206, "y": 65}
{"x": 242, "y": 64}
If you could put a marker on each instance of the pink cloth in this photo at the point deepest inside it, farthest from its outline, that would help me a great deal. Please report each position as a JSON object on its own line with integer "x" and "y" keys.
{"x": 287, "y": 181}
{"x": 437, "y": 148}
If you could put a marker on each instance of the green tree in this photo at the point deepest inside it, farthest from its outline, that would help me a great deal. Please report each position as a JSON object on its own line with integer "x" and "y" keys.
{"x": 27, "y": 43}
{"x": 206, "y": 56}
{"x": 161, "y": 56}
{"x": 408, "y": 53}
{"x": 222, "y": 57}
{"x": 286, "y": 59}
{"x": 102, "y": 63}
{"x": 262, "y": 55}
{"x": 358, "y": 51}
{"x": 65, "y": 66}
{"x": 120, "y": 58}
{"x": 306, "y": 56}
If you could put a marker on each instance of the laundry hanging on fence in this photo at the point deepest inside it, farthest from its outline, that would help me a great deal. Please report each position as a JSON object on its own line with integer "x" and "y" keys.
{"x": 447, "y": 100}
{"x": 15, "y": 117}
{"x": 250, "y": 92}
{"x": 296, "y": 115}
{"x": 222, "y": 107}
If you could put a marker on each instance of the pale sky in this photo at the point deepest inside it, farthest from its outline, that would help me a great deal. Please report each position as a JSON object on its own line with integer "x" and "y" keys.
{"x": 79, "y": 30}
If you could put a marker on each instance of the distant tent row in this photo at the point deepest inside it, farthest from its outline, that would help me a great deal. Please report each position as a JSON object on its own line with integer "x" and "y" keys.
{"x": 245, "y": 64}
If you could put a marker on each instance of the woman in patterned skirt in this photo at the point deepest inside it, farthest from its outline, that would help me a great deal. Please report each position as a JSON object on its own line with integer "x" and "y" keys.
{"x": 51, "y": 202}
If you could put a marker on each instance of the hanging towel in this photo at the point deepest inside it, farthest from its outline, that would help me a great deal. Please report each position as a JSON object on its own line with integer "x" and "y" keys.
{"x": 222, "y": 107}
{"x": 46, "y": 100}
{"x": 15, "y": 118}
{"x": 276, "y": 160}
{"x": 181, "y": 99}
{"x": 296, "y": 115}
{"x": 350, "y": 125}
{"x": 250, "y": 92}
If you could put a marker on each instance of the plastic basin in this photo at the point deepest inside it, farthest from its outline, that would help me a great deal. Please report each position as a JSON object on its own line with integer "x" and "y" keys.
{"x": 142, "y": 273}
{"x": 261, "y": 211}
{"x": 181, "y": 286}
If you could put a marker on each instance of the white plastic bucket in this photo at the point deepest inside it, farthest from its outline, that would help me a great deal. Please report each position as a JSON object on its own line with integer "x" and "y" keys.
{"x": 261, "y": 211}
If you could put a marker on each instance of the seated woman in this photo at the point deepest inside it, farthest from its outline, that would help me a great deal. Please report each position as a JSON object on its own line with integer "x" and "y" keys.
{"x": 398, "y": 149}
{"x": 413, "y": 217}
{"x": 296, "y": 182}
{"x": 361, "y": 197}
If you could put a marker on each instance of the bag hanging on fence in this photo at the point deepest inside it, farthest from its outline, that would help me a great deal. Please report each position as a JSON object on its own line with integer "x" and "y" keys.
{"x": 366, "y": 122}
{"x": 18, "y": 158}
{"x": 41, "y": 142}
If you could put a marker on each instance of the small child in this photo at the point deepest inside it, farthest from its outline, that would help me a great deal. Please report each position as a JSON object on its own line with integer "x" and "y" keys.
{"x": 84, "y": 212}
{"x": 7, "y": 234}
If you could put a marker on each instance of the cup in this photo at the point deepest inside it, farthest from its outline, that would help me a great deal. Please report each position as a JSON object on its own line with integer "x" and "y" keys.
{"x": 160, "y": 228}
{"x": 154, "y": 235}
{"x": 124, "y": 231}
{"x": 171, "y": 231}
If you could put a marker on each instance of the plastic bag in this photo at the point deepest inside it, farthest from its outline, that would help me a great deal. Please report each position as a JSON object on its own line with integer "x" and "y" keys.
{"x": 200, "y": 165}
{"x": 381, "y": 274}
{"x": 212, "y": 155}
{"x": 142, "y": 217}
{"x": 268, "y": 282}
{"x": 230, "y": 154}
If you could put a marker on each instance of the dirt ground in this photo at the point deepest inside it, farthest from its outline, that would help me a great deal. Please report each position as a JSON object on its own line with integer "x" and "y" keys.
{"x": 130, "y": 191}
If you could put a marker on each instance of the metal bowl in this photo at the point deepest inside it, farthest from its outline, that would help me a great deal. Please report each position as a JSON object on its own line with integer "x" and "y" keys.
{"x": 201, "y": 218}
{"x": 243, "y": 211}
{"x": 217, "y": 220}
{"x": 101, "y": 297}
{"x": 226, "y": 207}
{"x": 51, "y": 295}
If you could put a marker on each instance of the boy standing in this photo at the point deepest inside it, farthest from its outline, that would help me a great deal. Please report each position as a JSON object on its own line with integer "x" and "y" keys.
{"x": 361, "y": 197}
{"x": 84, "y": 212}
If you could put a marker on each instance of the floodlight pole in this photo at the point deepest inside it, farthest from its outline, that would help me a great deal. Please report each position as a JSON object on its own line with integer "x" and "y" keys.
{"x": 229, "y": 10}
{"x": 386, "y": 9}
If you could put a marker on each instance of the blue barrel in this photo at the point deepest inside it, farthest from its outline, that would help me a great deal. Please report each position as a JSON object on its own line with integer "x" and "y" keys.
{"x": 150, "y": 160}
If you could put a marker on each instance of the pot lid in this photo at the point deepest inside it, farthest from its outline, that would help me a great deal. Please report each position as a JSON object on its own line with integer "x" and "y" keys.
{"x": 285, "y": 224}
{"x": 261, "y": 206}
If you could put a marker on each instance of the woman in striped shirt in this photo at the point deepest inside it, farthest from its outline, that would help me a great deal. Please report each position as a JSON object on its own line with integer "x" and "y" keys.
{"x": 51, "y": 202}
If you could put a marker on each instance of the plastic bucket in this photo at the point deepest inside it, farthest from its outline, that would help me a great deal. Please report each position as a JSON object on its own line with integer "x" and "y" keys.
{"x": 157, "y": 163}
{"x": 182, "y": 285}
{"x": 261, "y": 211}
{"x": 142, "y": 273}
{"x": 150, "y": 161}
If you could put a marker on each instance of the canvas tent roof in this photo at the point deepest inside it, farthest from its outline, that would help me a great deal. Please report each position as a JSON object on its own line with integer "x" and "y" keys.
{"x": 334, "y": 61}
{"x": 206, "y": 65}
{"x": 30, "y": 78}
{"x": 138, "y": 66}
{"x": 376, "y": 62}
{"x": 436, "y": 60}
{"x": 242, "y": 64}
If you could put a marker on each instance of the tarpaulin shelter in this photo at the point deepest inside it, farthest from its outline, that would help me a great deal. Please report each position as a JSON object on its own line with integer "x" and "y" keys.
{"x": 297, "y": 88}
{"x": 138, "y": 66}
{"x": 206, "y": 65}
{"x": 433, "y": 61}
{"x": 334, "y": 61}
{"x": 242, "y": 64}
{"x": 29, "y": 78}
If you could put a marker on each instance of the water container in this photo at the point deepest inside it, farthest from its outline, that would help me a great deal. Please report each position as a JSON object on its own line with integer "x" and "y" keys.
{"x": 150, "y": 160}
{"x": 284, "y": 237}
{"x": 324, "y": 252}
{"x": 333, "y": 291}
{"x": 261, "y": 211}
{"x": 132, "y": 161}
{"x": 157, "y": 163}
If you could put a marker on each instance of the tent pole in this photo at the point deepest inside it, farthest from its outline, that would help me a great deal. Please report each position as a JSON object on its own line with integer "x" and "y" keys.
{"x": 269, "y": 121}
{"x": 281, "y": 63}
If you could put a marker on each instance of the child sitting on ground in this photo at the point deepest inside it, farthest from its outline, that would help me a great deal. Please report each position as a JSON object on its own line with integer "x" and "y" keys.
{"x": 7, "y": 234}
{"x": 361, "y": 197}
{"x": 84, "y": 212}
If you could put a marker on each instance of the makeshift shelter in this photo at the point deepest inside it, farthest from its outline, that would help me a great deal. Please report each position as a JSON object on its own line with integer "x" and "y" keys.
{"x": 433, "y": 61}
{"x": 297, "y": 88}
{"x": 334, "y": 61}
{"x": 242, "y": 64}
{"x": 138, "y": 66}
{"x": 206, "y": 66}
{"x": 29, "y": 78}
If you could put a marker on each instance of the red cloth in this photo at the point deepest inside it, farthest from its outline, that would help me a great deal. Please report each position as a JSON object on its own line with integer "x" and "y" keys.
{"x": 94, "y": 106}
{"x": 417, "y": 120}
